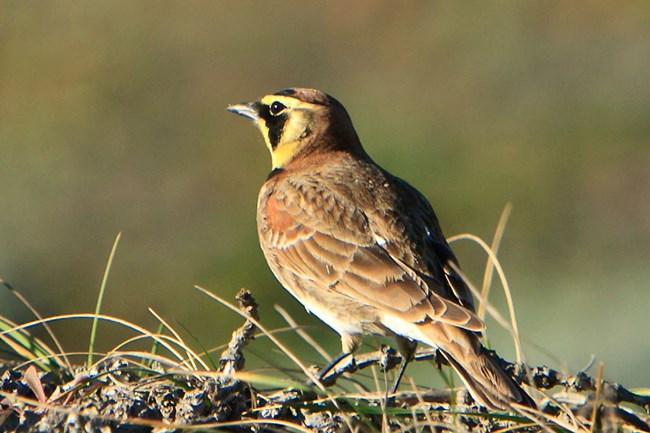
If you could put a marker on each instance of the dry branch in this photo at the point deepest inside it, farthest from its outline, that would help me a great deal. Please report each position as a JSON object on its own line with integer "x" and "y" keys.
{"x": 232, "y": 358}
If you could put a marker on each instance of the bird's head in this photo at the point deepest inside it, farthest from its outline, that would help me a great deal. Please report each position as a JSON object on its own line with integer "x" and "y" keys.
{"x": 300, "y": 122}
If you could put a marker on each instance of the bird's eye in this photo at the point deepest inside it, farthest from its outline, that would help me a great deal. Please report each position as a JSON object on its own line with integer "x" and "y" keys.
{"x": 277, "y": 108}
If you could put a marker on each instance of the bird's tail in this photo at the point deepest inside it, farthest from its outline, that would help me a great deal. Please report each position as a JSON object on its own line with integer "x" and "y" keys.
{"x": 486, "y": 381}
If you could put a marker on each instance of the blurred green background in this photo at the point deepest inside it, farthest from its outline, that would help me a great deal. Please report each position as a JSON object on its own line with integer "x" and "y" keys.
{"x": 112, "y": 118}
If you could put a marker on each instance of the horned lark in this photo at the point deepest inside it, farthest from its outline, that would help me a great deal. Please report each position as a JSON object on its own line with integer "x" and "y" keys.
{"x": 360, "y": 248}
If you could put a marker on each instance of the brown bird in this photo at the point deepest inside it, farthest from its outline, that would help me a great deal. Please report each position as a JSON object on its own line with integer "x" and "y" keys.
{"x": 360, "y": 248}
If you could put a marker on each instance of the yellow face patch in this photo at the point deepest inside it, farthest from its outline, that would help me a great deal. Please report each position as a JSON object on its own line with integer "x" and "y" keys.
{"x": 284, "y": 130}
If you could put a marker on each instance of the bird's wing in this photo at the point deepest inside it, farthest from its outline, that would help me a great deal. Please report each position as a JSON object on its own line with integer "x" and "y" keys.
{"x": 417, "y": 240}
{"x": 336, "y": 251}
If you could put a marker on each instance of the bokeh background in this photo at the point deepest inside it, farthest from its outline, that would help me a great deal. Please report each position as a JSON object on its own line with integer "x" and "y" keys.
{"x": 112, "y": 118}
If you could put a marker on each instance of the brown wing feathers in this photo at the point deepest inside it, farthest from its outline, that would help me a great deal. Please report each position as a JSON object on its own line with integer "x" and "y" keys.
{"x": 363, "y": 272}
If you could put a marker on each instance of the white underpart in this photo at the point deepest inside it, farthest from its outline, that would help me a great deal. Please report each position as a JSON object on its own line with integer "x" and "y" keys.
{"x": 380, "y": 241}
{"x": 406, "y": 329}
{"x": 332, "y": 320}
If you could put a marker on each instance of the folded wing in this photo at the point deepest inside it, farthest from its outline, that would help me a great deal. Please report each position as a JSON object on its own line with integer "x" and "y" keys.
{"x": 343, "y": 256}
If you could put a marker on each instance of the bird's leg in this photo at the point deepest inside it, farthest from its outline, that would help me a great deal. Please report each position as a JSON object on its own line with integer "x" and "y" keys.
{"x": 328, "y": 368}
{"x": 400, "y": 373}
{"x": 406, "y": 348}
{"x": 349, "y": 344}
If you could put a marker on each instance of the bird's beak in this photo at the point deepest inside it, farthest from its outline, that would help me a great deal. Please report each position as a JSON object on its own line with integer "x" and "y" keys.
{"x": 246, "y": 109}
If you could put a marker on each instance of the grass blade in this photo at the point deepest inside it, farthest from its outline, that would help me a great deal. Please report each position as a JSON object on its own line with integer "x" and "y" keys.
{"x": 100, "y": 298}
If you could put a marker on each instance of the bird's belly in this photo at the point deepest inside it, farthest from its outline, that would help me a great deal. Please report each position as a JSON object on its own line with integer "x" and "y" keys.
{"x": 398, "y": 326}
{"x": 341, "y": 313}
{"x": 338, "y": 318}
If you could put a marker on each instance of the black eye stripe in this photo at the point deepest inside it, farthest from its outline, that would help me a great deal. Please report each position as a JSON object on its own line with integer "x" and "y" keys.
{"x": 275, "y": 125}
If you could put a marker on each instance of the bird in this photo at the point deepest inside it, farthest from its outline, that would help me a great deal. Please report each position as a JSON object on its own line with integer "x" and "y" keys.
{"x": 361, "y": 248}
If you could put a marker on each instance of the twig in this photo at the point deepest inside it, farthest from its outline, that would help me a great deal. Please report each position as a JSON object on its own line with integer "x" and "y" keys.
{"x": 540, "y": 377}
{"x": 232, "y": 359}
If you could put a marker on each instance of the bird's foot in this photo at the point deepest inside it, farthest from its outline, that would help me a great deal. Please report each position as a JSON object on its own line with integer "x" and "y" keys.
{"x": 327, "y": 376}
